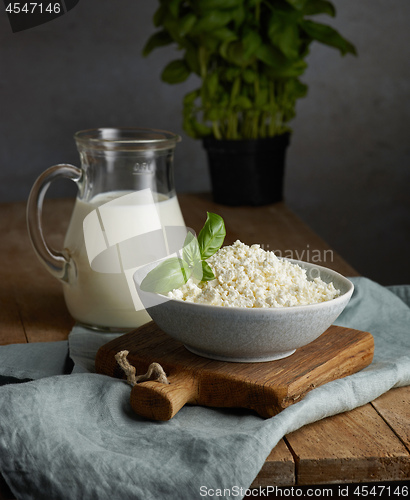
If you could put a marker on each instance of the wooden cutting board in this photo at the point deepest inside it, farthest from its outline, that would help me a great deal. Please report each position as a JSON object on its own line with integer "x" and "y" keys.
{"x": 267, "y": 387}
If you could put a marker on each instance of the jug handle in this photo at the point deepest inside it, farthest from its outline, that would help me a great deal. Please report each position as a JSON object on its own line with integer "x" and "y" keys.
{"x": 57, "y": 262}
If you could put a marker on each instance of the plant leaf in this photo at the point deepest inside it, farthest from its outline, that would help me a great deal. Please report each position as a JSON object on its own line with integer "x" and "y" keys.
{"x": 175, "y": 72}
{"x": 190, "y": 251}
{"x": 249, "y": 75}
{"x": 202, "y": 271}
{"x": 200, "y": 129}
{"x": 212, "y": 235}
{"x": 211, "y": 21}
{"x": 233, "y": 52}
{"x": 158, "y": 39}
{"x": 173, "y": 6}
{"x": 207, "y": 5}
{"x": 242, "y": 102}
{"x": 159, "y": 15}
{"x": 297, "y": 4}
{"x": 314, "y": 7}
{"x": 327, "y": 35}
{"x": 167, "y": 276}
{"x": 278, "y": 65}
{"x": 223, "y": 35}
{"x": 210, "y": 85}
{"x": 283, "y": 32}
{"x": 191, "y": 57}
{"x": 251, "y": 41}
{"x": 186, "y": 23}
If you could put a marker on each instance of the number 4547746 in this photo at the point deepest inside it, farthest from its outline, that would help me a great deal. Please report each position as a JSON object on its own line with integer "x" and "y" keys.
{"x": 33, "y": 7}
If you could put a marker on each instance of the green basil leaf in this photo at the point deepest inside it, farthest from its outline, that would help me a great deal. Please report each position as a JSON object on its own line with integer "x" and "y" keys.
{"x": 186, "y": 23}
{"x": 193, "y": 127}
{"x": 200, "y": 129}
{"x": 271, "y": 56}
{"x": 190, "y": 251}
{"x": 327, "y": 35}
{"x": 212, "y": 235}
{"x": 214, "y": 114}
{"x": 158, "y": 39}
{"x": 175, "y": 72}
{"x": 231, "y": 73}
{"x": 278, "y": 65}
{"x": 170, "y": 274}
{"x": 242, "y": 102}
{"x": 212, "y": 21}
{"x": 296, "y": 89}
{"x": 190, "y": 97}
{"x": 223, "y": 35}
{"x": 314, "y": 7}
{"x": 191, "y": 59}
{"x": 171, "y": 25}
{"x": 235, "y": 53}
{"x": 283, "y": 32}
{"x": 297, "y": 4}
{"x": 210, "y": 85}
{"x": 249, "y": 75}
{"x": 251, "y": 42}
{"x": 239, "y": 15}
{"x": 202, "y": 271}
{"x": 206, "y": 5}
{"x": 159, "y": 15}
{"x": 173, "y": 6}
{"x": 188, "y": 126}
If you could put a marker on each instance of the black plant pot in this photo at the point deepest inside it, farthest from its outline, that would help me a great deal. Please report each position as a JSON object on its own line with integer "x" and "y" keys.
{"x": 248, "y": 171}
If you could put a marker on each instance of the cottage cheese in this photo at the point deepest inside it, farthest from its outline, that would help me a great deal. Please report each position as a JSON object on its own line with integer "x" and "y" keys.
{"x": 248, "y": 276}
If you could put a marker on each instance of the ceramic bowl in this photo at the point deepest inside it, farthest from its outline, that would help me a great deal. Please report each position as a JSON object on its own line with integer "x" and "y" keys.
{"x": 244, "y": 334}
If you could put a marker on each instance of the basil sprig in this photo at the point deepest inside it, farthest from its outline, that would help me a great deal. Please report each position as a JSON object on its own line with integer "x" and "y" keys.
{"x": 211, "y": 236}
{"x": 176, "y": 271}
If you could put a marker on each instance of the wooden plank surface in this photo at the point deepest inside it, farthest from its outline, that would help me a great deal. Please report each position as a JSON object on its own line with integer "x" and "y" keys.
{"x": 32, "y": 309}
{"x": 11, "y": 323}
{"x": 38, "y": 296}
{"x": 278, "y": 470}
{"x": 394, "y": 407}
{"x": 357, "y": 446}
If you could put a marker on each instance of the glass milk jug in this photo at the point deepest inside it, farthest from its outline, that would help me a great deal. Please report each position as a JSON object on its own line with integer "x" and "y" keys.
{"x": 125, "y": 208}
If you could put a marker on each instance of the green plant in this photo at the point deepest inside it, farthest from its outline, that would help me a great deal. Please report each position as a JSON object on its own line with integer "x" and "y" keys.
{"x": 191, "y": 261}
{"x": 249, "y": 55}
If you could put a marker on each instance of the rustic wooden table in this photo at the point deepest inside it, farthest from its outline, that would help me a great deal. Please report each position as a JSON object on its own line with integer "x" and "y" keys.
{"x": 370, "y": 443}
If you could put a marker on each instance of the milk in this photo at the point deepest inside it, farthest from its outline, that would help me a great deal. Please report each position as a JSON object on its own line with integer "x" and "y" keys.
{"x": 109, "y": 298}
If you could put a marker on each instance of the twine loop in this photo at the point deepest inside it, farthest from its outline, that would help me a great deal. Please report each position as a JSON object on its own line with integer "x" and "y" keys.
{"x": 155, "y": 371}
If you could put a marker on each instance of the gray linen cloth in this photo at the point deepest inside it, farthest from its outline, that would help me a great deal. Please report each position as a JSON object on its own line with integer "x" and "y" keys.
{"x": 75, "y": 436}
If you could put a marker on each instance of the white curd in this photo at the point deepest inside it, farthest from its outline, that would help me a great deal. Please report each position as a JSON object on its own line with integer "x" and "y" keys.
{"x": 248, "y": 276}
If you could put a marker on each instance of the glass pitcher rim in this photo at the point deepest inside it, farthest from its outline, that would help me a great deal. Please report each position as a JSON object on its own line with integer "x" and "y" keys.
{"x": 126, "y": 137}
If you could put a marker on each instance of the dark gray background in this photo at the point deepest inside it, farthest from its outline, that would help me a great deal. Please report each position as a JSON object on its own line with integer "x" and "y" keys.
{"x": 348, "y": 165}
